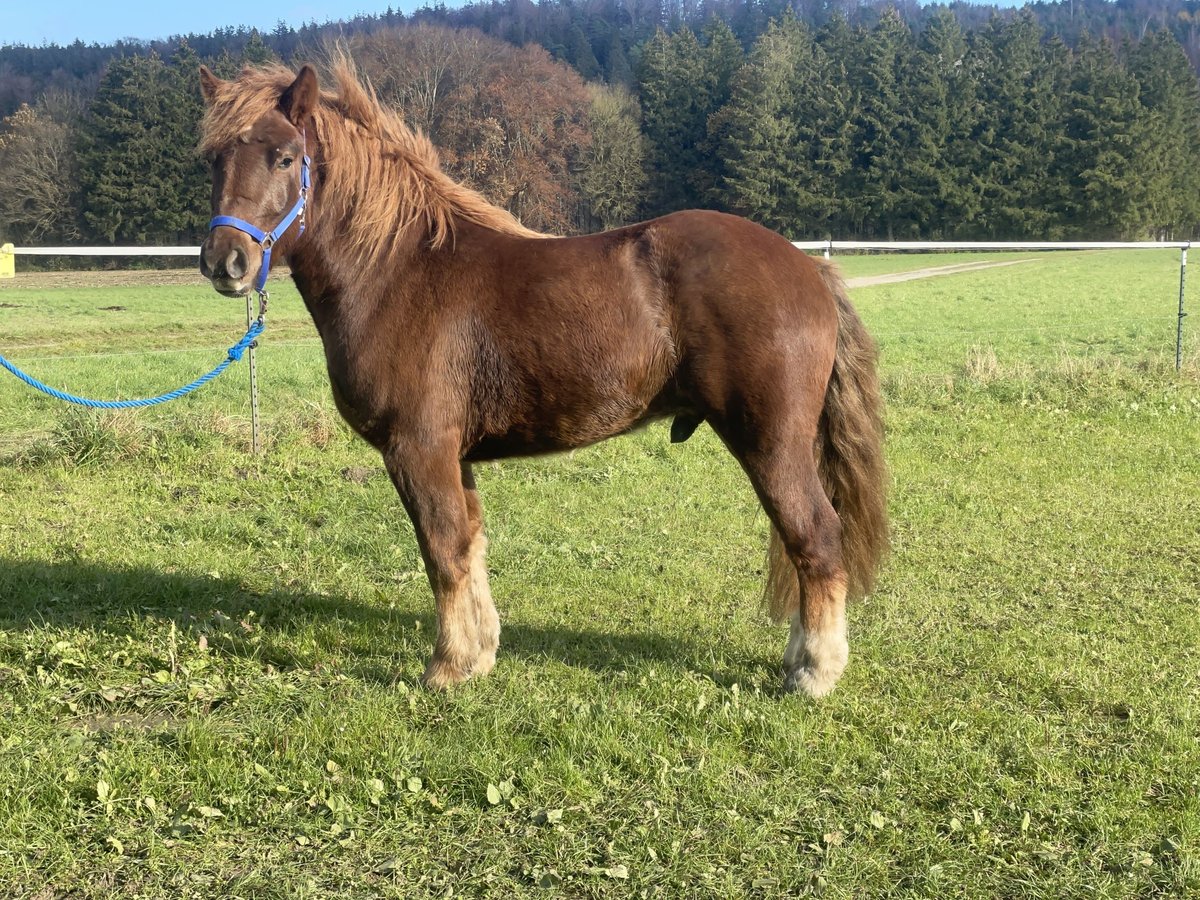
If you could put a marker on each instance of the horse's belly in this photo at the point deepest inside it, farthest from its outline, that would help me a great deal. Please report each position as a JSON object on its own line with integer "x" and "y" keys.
{"x": 571, "y": 419}
{"x": 554, "y": 436}
{"x": 567, "y": 388}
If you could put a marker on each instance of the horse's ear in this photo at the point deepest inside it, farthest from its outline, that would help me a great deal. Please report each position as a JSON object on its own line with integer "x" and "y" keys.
{"x": 300, "y": 99}
{"x": 209, "y": 83}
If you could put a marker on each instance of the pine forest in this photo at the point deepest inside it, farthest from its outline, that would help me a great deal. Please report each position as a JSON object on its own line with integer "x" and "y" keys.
{"x": 1066, "y": 120}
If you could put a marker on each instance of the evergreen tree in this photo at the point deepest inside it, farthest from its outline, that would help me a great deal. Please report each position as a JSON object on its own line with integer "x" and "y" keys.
{"x": 1022, "y": 85}
{"x": 722, "y": 58}
{"x": 882, "y": 198}
{"x": 1103, "y": 131}
{"x": 755, "y": 135}
{"x": 142, "y": 180}
{"x": 781, "y": 137}
{"x": 840, "y": 46}
{"x": 617, "y": 70}
{"x": 180, "y": 130}
{"x": 675, "y": 109}
{"x": 256, "y": 52}
{"x": 224, "y": 66}
{"x": 944, "y": 98}
{"x": 579, "y": 54}
{"x": 1170, "y": 100}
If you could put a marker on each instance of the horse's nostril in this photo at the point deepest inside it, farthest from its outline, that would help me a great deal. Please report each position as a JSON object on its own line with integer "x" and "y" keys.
{"x": 235, "y": 263}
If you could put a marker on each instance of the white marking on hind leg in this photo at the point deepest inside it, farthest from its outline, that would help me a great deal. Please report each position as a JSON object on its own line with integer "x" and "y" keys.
{"x": 815, "y": 659}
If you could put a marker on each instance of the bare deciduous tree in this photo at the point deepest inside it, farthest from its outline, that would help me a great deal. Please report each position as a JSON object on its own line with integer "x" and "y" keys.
{"x": 38, "y": 187}
{"x": 612, "y": 175}
{"x": 510, "y": 121}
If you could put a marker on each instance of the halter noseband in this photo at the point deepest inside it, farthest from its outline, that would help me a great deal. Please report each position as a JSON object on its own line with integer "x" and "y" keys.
{"x": 266, "y": 239}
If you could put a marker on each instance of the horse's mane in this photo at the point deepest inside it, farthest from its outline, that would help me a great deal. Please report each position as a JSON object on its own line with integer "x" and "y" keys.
{"x": 379, "y": 176}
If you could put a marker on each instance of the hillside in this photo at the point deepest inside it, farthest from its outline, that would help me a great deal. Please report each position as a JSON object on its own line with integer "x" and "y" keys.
{"x": 1070, "y": 119}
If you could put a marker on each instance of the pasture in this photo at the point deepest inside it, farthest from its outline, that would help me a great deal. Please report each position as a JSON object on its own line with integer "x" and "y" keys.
{"x": 209, "y": 662}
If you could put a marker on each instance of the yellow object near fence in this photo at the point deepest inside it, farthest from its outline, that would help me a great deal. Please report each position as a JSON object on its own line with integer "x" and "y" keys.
{"x": 8, "y": 261}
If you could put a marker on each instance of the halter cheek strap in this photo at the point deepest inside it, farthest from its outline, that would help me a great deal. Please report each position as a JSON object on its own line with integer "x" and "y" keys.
{"x": 266, "y": 239}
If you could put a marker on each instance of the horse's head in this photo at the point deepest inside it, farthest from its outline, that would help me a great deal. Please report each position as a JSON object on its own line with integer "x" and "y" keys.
{"x": 259, "y": 177}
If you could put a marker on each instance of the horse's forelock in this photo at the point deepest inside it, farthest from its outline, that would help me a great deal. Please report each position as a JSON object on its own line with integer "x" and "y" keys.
{"x": 238, "y": 105}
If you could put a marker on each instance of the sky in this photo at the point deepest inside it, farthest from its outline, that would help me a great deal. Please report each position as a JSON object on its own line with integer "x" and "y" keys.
{"x": 37, "y": 22}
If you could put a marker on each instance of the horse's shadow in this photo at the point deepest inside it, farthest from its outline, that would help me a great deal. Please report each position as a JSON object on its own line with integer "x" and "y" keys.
{"x": 262, "y": 625}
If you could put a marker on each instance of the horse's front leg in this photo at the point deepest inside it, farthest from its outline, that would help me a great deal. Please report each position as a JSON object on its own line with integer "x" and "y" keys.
{"x": 430, "y": 484}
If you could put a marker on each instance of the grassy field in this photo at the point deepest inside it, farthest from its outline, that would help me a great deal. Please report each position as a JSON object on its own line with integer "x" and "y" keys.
{"x": 209, "y": 662}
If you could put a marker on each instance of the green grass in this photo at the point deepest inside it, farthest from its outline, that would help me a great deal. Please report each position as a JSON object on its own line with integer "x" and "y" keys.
{"x": 209, "y": 662}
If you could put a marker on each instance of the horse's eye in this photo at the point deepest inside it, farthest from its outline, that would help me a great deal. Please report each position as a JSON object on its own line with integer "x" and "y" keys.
{"x": 286, "y": 162}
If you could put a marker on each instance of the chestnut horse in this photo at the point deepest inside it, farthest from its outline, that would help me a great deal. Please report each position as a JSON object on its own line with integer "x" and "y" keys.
{"x": 453, "y": 334}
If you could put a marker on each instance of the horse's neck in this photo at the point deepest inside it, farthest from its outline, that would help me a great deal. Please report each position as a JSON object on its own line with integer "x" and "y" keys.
{"x": 343, "y": 295}
{"x": 328, "y": 293}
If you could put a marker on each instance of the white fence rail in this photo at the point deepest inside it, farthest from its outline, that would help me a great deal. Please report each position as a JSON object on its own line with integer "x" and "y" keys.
{"x": 904, "y": 246}
{"x": 827, "y": 246}
{"x": 106, "y": 251}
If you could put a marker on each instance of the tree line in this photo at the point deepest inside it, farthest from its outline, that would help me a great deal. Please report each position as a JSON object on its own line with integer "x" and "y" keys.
{"x": 883, "y": 132}
{"x": 866, "y": 127}
{"x": 599, "y": 38}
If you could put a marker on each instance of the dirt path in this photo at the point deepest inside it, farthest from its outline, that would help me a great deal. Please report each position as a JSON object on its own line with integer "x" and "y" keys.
{"x": 869, "y": 280}
{"x": 103, "y": 278}
{"x": 100, "y": 278}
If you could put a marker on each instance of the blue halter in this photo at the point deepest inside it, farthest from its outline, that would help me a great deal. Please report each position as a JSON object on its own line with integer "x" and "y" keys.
{"x": 267, "y": 239}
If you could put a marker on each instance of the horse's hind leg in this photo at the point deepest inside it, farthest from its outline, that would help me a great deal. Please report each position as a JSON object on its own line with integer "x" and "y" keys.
{"x": 431, "y": 486}
{"x": 817, "y": 649}
{"x": 486, "y": 619}
{"x": 806, "y": 580}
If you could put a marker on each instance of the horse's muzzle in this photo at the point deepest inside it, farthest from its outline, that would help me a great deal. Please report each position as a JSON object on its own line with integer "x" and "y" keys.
{"x": 227, "y": 265}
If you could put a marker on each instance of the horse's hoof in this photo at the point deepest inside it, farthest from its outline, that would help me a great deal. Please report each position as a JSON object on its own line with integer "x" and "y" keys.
{"x": 440, "y": 675}
{"x": 485, "y": 664}
{"x": 814, "y": 683}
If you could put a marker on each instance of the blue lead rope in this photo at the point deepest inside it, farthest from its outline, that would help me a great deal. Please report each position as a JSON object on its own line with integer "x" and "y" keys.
{"x": 235, "y": 353}
{"x": 266, "y": 240}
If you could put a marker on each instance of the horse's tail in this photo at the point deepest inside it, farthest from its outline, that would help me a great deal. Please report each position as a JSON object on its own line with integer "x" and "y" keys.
{"x": 849, "y": 454}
